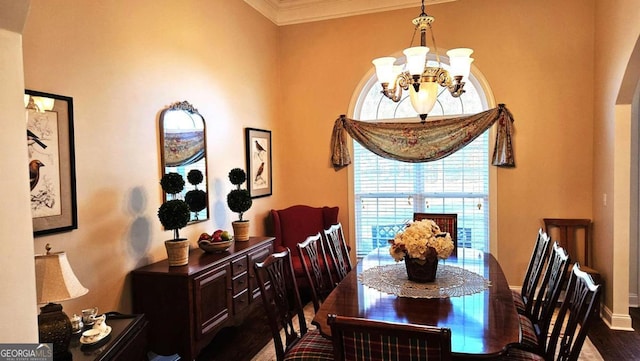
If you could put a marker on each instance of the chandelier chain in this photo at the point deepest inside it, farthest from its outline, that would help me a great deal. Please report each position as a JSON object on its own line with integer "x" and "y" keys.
{"x": 415, "y": 30}
{"x": 435, "y": 47}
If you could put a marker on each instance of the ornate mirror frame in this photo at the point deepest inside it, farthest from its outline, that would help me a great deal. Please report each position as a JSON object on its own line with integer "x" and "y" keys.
{"x": 183, "y": 147}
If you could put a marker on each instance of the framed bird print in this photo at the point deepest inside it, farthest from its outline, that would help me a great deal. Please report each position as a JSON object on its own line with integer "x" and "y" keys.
{"x": 259, "y": 177}
{"x": 51, "y": 162}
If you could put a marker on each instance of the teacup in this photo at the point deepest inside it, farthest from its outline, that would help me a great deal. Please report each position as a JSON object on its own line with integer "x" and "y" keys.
{"x": 100, "y": 323}
{"x": 76, "y": 323}
{"x": 89, "y": 315}
{"x": 91, "y": 334}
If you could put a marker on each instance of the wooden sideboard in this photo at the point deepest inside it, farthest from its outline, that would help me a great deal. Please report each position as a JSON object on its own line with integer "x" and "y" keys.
{"x": 187, "y": 305}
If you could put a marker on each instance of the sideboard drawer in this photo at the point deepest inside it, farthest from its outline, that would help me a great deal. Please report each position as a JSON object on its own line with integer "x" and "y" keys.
{"x": 239, "y": 283}
{"x": 239, "y": 265}
{"x": 240, "y": 301}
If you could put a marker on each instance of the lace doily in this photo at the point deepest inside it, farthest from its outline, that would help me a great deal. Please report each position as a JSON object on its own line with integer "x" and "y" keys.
{"x": 450, "y": 281}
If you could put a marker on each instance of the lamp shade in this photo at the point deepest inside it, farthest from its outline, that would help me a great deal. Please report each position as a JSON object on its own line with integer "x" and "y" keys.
{"x": 460, "y": 61}
{"x": 55, "y": 280}
{"x": 424, "y": 99}
{"x": 416, "y": 59}
{"x": 385, "y": 69}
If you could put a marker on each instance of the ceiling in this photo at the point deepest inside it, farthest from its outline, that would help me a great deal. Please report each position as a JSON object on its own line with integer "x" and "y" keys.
{"x": 286, "y": 12}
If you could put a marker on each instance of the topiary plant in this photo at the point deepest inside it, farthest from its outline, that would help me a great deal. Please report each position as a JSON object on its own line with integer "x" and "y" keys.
{"x": 238, "y": 200}
{"x": 196, "y": 198}
{"x": 173, "y": 214}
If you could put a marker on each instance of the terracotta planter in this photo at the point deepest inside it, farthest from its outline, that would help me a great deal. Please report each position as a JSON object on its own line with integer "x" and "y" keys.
{"x": 177, "y": 251}
{"x": 422, "y": 271}
{"x": 240, "y": 230}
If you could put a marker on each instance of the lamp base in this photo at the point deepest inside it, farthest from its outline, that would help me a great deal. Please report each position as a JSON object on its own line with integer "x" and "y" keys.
{"x": 54, "y": 327}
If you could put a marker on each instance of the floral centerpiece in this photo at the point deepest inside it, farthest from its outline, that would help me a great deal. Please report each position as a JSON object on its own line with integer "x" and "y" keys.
{"x": 421, "y": 245}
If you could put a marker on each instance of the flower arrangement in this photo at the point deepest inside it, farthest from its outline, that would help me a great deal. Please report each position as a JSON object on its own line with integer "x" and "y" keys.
{"x": 417, "y": 237}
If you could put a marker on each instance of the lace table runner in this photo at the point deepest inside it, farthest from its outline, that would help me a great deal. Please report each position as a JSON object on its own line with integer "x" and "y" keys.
{"x": 450, "y": 281}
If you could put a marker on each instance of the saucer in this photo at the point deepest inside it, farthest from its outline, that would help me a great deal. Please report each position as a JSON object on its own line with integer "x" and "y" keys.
{"x": 87, "y": 340}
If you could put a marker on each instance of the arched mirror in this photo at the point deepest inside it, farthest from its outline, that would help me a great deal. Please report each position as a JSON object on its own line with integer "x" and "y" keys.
{"x": 183, "y": 143}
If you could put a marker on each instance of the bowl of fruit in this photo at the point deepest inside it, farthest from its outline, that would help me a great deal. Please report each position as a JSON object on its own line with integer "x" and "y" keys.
{"x": 218, "y": 241}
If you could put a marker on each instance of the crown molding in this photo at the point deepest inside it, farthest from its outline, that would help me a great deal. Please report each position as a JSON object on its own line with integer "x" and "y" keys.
{"x": 287, "y": 12}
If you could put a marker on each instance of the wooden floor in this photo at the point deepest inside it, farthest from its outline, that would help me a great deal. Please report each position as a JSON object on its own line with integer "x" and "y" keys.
{"x": 617, "y": 345}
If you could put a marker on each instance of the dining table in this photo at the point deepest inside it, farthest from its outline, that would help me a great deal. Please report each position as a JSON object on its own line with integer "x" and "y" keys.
{"x": 470, "y": 296}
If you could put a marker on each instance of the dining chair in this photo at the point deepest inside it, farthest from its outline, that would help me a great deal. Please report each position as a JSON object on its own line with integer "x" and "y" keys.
{"x": 572, "y": 322}
{"x": 534, "y": 328}
{"x": 448, "y": 222}
{"x": 574, "y": 234}
{"x": 359, "y": 339}
{"x": 524, "y": 299}
{"x": 282, "y": 304}
{"x": 340, "y": 260}
{"x": 316, "y": 267}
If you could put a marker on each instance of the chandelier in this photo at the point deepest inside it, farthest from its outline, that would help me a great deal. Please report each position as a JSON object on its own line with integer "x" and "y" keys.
{"x": 416, "y": 76}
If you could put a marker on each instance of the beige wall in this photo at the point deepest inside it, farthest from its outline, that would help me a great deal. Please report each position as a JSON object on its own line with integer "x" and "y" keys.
{"x": 543, "y": 75}
{"x": 17, "y": 316}
{"x": 617, "y": 69}
{"x": 122, "y": 64}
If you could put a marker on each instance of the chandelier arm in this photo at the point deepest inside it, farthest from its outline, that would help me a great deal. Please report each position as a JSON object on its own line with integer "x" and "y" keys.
{"x": 457, "y": 87}
{"x": 402, "y": 82}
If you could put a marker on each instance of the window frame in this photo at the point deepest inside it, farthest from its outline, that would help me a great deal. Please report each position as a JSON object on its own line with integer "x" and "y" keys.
{"x": 483, "y": 88}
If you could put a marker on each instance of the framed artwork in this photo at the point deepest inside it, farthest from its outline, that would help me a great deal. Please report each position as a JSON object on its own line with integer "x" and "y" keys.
{"x": 52, "y": 174}
{"x": 259, "y": 177}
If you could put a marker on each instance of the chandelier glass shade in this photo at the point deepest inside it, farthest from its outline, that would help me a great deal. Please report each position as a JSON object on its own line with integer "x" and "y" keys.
{"x": 415, "y": 75}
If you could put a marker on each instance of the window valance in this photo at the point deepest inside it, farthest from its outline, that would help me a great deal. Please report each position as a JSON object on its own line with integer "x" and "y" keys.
{"x": 424, "y": 141}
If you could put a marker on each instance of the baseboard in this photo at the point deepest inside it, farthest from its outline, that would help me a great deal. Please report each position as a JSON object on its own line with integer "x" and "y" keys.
{"x": 633, "y": 300}
{"x": 615, "y": 321}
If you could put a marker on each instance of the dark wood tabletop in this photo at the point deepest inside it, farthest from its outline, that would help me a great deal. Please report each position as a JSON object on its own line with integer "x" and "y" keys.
{"x": 481, "y": 324}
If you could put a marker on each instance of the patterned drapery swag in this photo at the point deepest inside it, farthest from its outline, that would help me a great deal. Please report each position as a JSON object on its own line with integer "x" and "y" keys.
{"x": 424, "y": 141}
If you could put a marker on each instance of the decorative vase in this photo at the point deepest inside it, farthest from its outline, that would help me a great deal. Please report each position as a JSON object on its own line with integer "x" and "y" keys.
{"x": 240, "y": 230}
{"x": 422, "y": 271}
{"x": 177, "y": 251}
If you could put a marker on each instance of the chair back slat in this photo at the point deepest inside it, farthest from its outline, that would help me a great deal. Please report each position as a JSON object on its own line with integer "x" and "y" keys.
{"x": 554, "y": 280}
{"x": 574, "y": 318}
{"x": 357, "y": 339}
{"x": 281, "y": 300}
{"x": 338, "y": 250}
{"x": 316, "y": 267}
{"x": 534, "y": 270}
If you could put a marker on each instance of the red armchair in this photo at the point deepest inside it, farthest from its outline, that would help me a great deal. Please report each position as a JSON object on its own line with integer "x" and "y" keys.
{"x": 293, "y": 225}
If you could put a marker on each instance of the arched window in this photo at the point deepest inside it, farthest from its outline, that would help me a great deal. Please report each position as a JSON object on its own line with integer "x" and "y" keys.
{"x": 388, "y": 192}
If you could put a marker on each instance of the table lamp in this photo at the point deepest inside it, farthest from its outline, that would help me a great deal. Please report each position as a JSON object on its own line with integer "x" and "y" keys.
{"x": 55, "y": 282}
